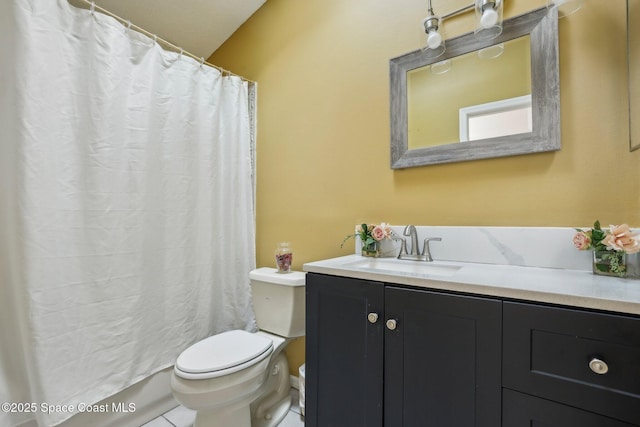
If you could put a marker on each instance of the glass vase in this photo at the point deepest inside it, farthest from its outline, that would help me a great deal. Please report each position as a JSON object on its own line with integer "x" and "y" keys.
{"x": 284, "y": 256}
{"x": 609, "y": 263}
{"x": 633, "y": 266}
{"x": 371, "y": 250}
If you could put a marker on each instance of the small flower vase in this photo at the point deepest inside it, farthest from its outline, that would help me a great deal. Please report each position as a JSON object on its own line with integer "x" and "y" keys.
{"x": 609, "y": 263}
{"x": 284, "y": 255}
{"x": 371, "y": 250}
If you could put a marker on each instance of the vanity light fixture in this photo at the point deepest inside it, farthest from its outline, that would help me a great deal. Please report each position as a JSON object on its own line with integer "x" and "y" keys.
{"x": 488, "y": 22}
{"x": 435, "y": 41}
{"x": 489, "y": 26}
{"x": 565, "y": 7}
{"x": 488, "y": 19}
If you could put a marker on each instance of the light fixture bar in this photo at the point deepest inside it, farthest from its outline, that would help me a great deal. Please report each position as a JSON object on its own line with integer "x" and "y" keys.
{"x": 458, "y": 11}
{"x": 489, "y": 17}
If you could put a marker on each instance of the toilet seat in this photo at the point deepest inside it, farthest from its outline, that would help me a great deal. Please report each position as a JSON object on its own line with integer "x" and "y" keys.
{"x": 222, "y": 354}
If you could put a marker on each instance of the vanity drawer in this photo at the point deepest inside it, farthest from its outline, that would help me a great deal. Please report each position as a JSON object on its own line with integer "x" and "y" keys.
{"x": 521, "y": 410}
{"x": 553, "y": 353}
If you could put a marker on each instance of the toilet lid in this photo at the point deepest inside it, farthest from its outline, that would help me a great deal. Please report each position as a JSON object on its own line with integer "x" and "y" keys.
{"x": 223, "y": 351}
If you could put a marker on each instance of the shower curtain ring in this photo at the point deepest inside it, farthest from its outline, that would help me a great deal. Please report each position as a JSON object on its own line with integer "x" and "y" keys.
{"x": 201, "y": 61}
{"x": 93, "y": 7}
{"x": 128, "y": 24}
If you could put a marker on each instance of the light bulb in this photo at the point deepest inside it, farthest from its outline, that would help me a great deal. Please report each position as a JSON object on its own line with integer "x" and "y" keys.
{"x": 489, "y": 18}
{"x": 434, "y": 40}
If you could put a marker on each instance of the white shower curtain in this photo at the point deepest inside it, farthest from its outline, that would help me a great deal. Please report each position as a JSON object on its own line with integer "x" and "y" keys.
{"x": 127, "y": 224}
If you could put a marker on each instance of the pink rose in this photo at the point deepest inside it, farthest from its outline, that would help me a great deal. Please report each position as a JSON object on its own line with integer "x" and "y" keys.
{"x": 378, "y": 233}
{"x": 581, "y": 241}
{"x": 620, "y": 238}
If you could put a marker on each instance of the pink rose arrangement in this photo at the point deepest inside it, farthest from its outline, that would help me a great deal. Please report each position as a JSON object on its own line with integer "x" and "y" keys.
{"x": 370, "y": 233}
{"x": 609, "y": 246}
{"x": 616, "y": 238}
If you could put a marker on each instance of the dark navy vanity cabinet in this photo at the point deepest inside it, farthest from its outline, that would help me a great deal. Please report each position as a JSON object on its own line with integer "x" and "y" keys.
{"x": 380, "y": 354}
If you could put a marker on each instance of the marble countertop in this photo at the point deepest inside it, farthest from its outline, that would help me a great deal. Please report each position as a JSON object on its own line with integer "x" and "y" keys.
{"x": 577, "y": 288}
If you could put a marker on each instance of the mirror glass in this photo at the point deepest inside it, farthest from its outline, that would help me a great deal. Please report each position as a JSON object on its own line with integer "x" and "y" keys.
{"x": 633, "y": 50}
{"x": 481, "y": 99}
{"x": 471, "y": 106}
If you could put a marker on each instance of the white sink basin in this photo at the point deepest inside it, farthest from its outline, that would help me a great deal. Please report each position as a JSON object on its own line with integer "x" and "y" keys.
{"x": 408, "y": 267}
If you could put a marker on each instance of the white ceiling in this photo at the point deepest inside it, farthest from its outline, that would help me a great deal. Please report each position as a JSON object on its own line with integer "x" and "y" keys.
{"x": 197, "y": 26}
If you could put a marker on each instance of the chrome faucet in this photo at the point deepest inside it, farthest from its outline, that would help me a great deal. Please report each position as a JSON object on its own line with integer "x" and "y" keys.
{"x": 415, "y": 254}
{"x": 410, "y": 230}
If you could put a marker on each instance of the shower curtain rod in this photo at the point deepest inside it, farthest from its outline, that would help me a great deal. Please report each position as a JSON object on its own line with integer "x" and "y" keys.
{"x": 93, "y": 6}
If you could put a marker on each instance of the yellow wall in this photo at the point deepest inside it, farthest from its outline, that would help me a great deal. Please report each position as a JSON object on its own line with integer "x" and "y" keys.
{"x": 634, "y": 69}
{"x": 322, "y": 68}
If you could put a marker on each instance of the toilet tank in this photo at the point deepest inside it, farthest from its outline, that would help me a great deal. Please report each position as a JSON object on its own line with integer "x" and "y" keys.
{"x": 278, "y": 301}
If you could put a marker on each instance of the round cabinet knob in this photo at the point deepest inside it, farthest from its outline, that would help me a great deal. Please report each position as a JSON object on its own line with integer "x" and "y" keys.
{"x": 598, "y": 366}
{"x": 391, "y": 324}
{"x": 372, "y": 317}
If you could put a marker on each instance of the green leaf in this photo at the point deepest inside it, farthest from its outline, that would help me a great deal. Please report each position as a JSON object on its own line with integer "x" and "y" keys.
{"x": 363, "y": 233}
{"x": 597, "y": 236}
{"x": 602, "y": 267}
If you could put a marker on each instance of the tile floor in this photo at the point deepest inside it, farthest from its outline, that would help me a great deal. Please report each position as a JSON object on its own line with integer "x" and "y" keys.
{"x": 184, "y": 417}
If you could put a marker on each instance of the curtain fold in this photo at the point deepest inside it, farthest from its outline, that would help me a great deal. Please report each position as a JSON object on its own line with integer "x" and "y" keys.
{"x": 130, "y": 216}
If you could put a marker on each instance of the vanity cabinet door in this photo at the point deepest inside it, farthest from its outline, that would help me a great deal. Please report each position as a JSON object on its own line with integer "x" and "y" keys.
{"x": 344, "y": 351}
{"x": 442, "y": 359}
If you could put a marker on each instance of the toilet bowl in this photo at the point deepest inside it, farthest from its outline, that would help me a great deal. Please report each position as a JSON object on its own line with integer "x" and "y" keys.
{"x": 238, "y": 378}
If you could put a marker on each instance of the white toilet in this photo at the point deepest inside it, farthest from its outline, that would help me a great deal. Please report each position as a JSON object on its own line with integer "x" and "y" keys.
{"x": 238, "y": 378}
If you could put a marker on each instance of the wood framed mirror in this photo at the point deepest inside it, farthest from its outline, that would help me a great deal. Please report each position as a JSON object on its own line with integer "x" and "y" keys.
{"x": 420, "y": 115}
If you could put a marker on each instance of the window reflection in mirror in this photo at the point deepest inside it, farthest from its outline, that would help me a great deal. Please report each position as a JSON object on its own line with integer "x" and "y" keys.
{"x": 500, "y": 118}
{"x": 497, "y": 86}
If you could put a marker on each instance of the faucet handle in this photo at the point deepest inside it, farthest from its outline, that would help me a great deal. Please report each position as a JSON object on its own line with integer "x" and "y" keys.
{"x": 403, "y": 245}
{"x": 426, "y": 252}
